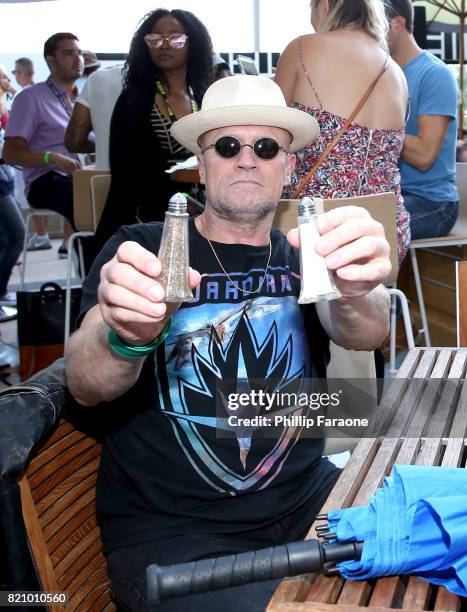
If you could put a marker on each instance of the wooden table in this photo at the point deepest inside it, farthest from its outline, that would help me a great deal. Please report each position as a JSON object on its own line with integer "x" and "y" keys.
{"x": 185, "y": 176}
{"x": 424, "y": 420}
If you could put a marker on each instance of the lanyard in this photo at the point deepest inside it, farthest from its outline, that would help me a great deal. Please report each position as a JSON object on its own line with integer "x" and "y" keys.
{"x": 163, "y": 91}
{"x": 59, "y": 96}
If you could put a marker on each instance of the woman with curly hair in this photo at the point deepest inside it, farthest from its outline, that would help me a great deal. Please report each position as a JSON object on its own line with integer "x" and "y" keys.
{"x": 168, "y": 69}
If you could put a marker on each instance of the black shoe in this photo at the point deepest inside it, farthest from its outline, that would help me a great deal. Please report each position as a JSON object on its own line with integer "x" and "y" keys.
{"x": 7, "y": 313}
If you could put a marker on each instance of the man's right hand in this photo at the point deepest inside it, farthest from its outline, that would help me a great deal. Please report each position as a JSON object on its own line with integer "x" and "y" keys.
{"x": 131, "y": 300}
{"x": 66, "y": 164}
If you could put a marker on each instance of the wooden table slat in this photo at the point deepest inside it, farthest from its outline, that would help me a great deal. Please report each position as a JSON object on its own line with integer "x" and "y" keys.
{"x": 447, "y": 601}
{"x": 308, "y": 606}
{"x": 459, "y": 364}
{"x": 385, "y": 591}
{"x": 430, "y": 451}
{"x": 380, "y": 467}
{"x": 351, "y": 477}
{"x": 324, "y": 589}
{"x": 417, "y": 594}
{"x": 409, "y": 365}
{"x": 439, "y": 422}
{"x": 455, "y": 445}
{"x": 429, "y": 397}
{"x": 393, "y": 395}
{"x": 408, "y": 451}
{"x": 422, "y": 416}
{"x": 291, "y": 590}
{"x": 355, "y": 593}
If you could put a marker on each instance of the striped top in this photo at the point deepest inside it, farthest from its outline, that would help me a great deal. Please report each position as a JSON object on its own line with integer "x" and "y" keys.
{"x": 161, "y": 126}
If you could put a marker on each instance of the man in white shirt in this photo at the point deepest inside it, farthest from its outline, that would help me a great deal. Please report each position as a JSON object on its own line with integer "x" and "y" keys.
{"x": 92, "y": 113}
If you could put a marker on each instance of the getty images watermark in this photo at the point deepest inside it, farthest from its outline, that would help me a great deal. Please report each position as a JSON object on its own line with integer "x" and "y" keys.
{"x": 266, "y": 407}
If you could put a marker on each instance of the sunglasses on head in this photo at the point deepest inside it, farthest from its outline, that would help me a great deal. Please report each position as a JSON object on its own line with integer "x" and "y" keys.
{"x": 229, "y": 147}
{"x": 155, "y": 41}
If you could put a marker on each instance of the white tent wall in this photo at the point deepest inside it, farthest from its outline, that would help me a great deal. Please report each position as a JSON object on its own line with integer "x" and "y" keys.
{"x": 107, "y": 27}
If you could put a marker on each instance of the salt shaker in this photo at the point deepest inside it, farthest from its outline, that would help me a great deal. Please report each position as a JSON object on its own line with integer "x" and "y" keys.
{"x": 317, "y": 282}
{"x": 174, "y": 252}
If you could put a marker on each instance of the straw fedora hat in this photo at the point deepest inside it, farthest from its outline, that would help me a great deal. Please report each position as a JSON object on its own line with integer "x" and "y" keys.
{"x": 245, "y": 100}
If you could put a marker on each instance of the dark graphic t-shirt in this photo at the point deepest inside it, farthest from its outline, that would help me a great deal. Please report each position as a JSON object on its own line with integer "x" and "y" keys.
{"x": 165, "y": 469}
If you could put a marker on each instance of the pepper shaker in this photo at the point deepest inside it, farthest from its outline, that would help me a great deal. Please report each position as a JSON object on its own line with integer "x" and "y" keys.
{"x": 317, "y": 282}
{"x": 174, "y": 251}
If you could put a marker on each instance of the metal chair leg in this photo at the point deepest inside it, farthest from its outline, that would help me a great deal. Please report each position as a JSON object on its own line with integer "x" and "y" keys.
{"x": 398, "y": 294}
{"x": 421, "y": 302}
{"x": 71, "y": 241}
{"x": 25, "y": 252}
{"x": 392, "y": 337}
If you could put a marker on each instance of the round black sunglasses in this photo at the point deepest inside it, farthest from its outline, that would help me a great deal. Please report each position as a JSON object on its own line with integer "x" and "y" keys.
{"x": 229, "y": 147}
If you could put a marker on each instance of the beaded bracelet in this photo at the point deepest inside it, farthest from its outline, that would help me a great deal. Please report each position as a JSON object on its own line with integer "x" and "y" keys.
{"x": 129, "y": 351}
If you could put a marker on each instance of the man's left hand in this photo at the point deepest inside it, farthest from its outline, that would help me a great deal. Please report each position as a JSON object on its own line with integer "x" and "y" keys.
{"x": 355, "y": 248}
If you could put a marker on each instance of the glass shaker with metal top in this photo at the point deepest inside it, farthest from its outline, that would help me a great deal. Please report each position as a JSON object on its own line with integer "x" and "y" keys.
{"x": 317, "y": 280}
{"x": 174, "y": 251}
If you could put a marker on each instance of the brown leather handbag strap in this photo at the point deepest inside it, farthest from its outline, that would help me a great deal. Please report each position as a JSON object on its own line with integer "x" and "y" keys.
{"x": 333, "y": 142}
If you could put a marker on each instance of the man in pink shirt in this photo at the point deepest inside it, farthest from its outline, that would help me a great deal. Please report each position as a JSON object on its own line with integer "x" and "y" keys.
{"x": 35, "y": 134}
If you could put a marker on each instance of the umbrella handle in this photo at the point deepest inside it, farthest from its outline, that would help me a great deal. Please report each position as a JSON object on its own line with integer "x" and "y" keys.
{"x": 165, "y": 582}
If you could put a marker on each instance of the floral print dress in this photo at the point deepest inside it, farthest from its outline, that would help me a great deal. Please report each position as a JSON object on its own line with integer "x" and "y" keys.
{"x": 363, "y": 162}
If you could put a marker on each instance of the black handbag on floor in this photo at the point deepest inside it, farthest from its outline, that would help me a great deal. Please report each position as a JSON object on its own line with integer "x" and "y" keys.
{"x": 41, "y": 325}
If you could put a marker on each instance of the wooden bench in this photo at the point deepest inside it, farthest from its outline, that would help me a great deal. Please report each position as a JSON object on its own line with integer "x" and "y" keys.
{"x": 421, "y": 430}
{"x": 58, "y": 502}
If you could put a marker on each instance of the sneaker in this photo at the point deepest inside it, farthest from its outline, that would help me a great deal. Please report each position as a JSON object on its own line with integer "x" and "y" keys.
{"x": 38, "y": 243}
{"x": 62, "y": 252}
{"x": 9, "y": 356}
{"x": 7, "y": 313}
{"x": 8, "y": 298}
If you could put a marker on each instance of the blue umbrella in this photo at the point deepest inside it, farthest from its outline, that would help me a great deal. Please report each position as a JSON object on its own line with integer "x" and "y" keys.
{"x": 415, "y": 524}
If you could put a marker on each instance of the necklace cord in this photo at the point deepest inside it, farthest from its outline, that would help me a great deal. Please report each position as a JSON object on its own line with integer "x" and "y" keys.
{"x": 236, "y": 285}
{"x": 164, "y": 93}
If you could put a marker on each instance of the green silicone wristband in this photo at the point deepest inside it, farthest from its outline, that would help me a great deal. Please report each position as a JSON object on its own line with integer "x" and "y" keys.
{"x": 129, "y": 351}
{"x": 47, "y": 158}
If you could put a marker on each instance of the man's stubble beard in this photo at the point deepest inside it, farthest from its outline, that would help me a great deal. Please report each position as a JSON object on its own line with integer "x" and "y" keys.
{"x": 249, "y": 213}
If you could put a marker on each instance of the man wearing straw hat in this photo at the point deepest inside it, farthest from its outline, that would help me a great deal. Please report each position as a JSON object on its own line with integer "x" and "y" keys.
{"x": 173, "y": 487}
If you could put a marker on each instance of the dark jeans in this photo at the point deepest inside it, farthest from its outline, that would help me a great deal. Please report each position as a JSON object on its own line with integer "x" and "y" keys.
{"x": 11, "y": 238}
{"x": 430, "y": 219}
{"x": 53, "y": 191}
{"x": 127, "y": 566}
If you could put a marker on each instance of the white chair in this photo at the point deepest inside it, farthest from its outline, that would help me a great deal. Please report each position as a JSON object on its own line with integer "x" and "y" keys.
{"x": 456, "y": 237}
{"x": 90, "y": 190}
{"x": 33, "y": 212}
{"x": 382, "y": 207}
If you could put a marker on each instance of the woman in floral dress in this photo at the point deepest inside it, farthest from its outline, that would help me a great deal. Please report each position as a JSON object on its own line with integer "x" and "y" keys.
{"x": 326, "y": 74}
